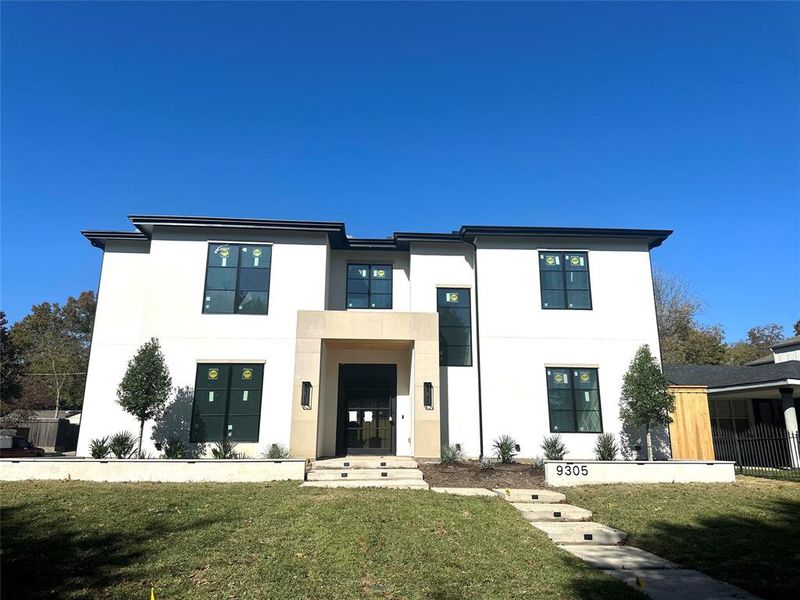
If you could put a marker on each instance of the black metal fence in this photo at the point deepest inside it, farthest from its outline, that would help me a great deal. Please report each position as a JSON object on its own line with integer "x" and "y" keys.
{"x": 762, "y": 450}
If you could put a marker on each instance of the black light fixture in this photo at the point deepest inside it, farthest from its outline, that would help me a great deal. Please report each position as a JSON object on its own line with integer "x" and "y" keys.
{"x": 428, "y": 399}
{"x": 305, "y": 397}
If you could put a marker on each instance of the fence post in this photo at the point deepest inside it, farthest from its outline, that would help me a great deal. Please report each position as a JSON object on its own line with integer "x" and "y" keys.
{"x": 737, "y": 450}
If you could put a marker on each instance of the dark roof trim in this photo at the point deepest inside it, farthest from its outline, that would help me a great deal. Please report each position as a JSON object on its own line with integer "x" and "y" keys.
{"x": 654, "y": 237}
{"x": 99, "y": 238}
{"x": 792, "y": 341}
{"x": 399, "y": 241}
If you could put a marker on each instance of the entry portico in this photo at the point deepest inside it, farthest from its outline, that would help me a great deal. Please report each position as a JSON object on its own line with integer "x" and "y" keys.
{"x": 366, "y": 345}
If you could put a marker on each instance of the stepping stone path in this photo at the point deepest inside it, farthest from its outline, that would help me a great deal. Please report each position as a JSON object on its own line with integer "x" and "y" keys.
{"x": 572, "y": 528}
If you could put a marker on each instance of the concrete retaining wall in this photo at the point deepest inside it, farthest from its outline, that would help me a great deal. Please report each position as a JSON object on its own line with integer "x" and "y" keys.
{"x": 559, "y": 473}
{"x": 227, "y": 471}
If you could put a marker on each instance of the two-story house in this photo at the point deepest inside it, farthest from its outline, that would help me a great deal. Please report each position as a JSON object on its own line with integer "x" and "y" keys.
{"x": 292, "y": 332}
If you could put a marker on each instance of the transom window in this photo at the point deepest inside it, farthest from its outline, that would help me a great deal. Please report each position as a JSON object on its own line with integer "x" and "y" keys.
{"x": 369, "y": 286}
{"x": 455, "y": 327}
{"x": 573, "y": 398}
{"x": 227, "y": 403}
{"x": 564, "y": 280}
{"x": 237, "y": 279}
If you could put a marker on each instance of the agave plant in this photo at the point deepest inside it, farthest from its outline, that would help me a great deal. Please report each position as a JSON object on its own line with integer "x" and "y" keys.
{"x": 606, "y": 447}
{"x": 174, "y": 449}
{"x": 226, "y": 450}
{"x": 451, "y": 454}
{"x": 505, "y": 448}
{"x": 277, "y": 451}
{"x": 99, "y": 447}
{"x": 122, "y": 444}
{"x": 554, "y": 448}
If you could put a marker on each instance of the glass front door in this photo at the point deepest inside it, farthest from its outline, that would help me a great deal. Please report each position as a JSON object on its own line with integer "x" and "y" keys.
{"x": 366, "y": 409}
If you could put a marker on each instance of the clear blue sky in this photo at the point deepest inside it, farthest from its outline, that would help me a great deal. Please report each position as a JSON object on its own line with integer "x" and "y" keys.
{"x": 410, "y": 117}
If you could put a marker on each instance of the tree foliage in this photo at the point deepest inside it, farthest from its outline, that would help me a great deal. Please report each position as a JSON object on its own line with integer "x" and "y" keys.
{"x": 683, "y": 340}
{"x": 758, "y": 343}
{"x": 146, "y": 386}
{"x": 797, "y": 328}
{"x": 10, "y": 366}
{"x": 53, "y": 343}
{"x": 646, "y": 400}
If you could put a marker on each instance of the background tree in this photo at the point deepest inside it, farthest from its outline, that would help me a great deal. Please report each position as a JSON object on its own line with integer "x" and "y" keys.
{"x": 797, "y": 328}
{"x": 53, "y": 342}
{"x": 146, "y": 386}
{"x": 10, "y": 367}
{"x": 682, "y": 338}
{"x": 645, "y": 400}
{"x": 758, "y": 343}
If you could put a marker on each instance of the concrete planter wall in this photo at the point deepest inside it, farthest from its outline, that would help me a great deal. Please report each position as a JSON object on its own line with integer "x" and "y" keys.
{"x": 559, "y": 473}
{"x": 183, "y": 471}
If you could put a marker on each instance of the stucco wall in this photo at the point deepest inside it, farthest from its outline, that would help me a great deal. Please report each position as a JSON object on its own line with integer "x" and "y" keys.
{"x": 160, "y": 295}
{"x": 519, "y": 338}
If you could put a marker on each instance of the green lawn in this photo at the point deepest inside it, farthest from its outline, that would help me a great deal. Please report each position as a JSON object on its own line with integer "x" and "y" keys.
{"x": 84, "y": 540}
{"x": 747, "y": 533}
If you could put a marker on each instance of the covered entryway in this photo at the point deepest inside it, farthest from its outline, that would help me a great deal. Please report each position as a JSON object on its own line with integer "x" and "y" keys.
{"x": 367, "y": 410}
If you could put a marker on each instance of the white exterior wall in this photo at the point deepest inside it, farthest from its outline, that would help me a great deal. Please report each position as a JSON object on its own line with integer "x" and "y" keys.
{"x": 788, "y": 353}
{"x": 519, "y": 339}
{"x": 160, "y": 294}
{"x": 450, "y": 265}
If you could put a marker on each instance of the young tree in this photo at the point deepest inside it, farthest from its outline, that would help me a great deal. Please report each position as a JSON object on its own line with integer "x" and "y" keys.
{"x": 146, "y": 386}
{"x": 646, "y": 400}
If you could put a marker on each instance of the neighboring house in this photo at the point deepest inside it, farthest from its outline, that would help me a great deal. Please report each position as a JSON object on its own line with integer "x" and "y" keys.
{"x": 45, "y": 429}
{"x": 750, "y": 400}
{"x": 293, "y": 332}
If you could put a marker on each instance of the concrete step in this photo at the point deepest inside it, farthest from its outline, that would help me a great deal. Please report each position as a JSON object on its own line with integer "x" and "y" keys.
{"x": 378, "y": 462}
{"x": 531, "y": 496}
{"x": 618, "y": 557}
{"x": 361, "y": 474}
{"x": 399, "y": 484}
{"x": 585, "y": 532}
{"x": 552, "y": 512}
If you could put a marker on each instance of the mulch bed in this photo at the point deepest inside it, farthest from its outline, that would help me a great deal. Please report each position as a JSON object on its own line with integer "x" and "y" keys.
{"x": 470, "y": 474}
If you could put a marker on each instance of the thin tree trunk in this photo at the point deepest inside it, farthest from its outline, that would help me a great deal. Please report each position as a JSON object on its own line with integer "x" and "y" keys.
{"x": 649, "y": 445}
{"x": 141, "y": 435}
{"x": 58, "y": 387}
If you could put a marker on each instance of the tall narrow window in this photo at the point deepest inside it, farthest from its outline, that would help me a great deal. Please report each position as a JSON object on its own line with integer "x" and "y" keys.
{"x": 369, "y": 286}
{"x": 573, "y": 397}
{"x": 237, "y": 279}
{"x": 227, "y": 403}
{"x": 564, "y": 280}
{"x": 455, "y": 327}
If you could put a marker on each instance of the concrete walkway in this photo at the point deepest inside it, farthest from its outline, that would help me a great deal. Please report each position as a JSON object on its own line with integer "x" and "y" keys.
{"x": 600, "y": 546}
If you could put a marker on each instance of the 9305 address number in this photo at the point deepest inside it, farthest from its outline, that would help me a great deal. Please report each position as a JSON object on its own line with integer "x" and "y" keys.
{"x": 572, "y": 470}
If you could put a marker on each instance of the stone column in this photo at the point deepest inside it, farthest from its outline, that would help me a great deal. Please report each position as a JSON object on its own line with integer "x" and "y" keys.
{"x": 790, "y": 419}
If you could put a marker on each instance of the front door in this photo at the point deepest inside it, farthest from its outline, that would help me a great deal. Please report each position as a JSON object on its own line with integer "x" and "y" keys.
{"x": 367, "y": 395}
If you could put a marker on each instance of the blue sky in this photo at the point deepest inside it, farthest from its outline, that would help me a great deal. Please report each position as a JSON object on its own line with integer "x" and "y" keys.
{"x": 410, "y": 117}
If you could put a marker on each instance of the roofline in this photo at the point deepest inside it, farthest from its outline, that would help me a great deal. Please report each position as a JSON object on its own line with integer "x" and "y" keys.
{"x": 752, "y": 386}
{"x": 99, "y": 238}
{"x": 398, "y": 241}
{"x": 793, "y": 341}
{"x": 654, "y": 237}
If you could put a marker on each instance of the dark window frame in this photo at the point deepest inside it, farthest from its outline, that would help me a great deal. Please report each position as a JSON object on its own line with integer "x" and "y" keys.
{"x": 237, "y": 289}
{"x": 370, "y": 266}
{"x": 573, "y": 393}
{"x": 229, "y": 367}
{"x": 446, "y": 362}
{"x": 562, "y": 254}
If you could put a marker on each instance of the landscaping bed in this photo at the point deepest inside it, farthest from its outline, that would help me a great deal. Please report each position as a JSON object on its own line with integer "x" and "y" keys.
{"x": 745, "y": 533}
{"x": 470, "y": 474}
{"x": 116, "y": 540}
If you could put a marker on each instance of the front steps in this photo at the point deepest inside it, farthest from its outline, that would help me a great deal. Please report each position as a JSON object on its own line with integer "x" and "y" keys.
{"x": 356, "y": 472}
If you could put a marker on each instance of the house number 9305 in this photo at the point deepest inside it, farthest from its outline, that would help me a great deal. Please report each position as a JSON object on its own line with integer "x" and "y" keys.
{"x": 572, "y": 470}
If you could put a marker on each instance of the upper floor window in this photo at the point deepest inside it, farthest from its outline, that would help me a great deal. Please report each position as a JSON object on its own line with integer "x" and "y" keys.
{"x": 455, "y": 327}
{"x": 369, "y": 286}
{"x": 573, "y": 398}
{"x": 564, "y": 280}
{"x": 237, "y": 279}
{"x": 227, "y": 403}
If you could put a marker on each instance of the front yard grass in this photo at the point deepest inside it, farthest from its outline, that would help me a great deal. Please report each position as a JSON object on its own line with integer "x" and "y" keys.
{"x": 92, "y": 540}
{"x": 747, "y": 533}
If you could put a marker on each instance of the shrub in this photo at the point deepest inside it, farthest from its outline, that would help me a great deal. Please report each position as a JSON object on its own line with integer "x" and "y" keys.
{"x": 174, "y": 449}
{"x": 505, "y": 449}
{"x": 487, "y": 464}
{"x": 605, "y": 447}
{"x": 451, "y": 455}
{"x": 226, "y": 450}
{"x": 554, "y": 448}
{"x": 122, "y": 444}
{"x": 277, "y": 451}
{"x": 537, "y": 461}
{"x": 99, "y": 447}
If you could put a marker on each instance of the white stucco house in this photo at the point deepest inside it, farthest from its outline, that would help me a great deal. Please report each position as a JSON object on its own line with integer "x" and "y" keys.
{"x": 292, "y": 332}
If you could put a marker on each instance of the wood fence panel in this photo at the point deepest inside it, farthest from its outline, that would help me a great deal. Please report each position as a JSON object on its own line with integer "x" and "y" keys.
{"x": 690, "y": 430}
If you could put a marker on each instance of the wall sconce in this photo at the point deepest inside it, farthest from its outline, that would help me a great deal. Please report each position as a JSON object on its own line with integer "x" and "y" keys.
{"x": 305, "y": 396}
{"x": 428, "y": 399}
